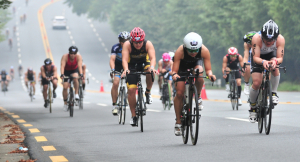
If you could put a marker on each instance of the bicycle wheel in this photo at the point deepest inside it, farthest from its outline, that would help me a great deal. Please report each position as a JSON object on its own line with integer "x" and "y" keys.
{"x": 232, "y": 93}
{"x": 194, "y": 116}
{"x": 71, "y": 102}
{"x": 269, "y": 106}
{"x": 236, "y": 96}
{"x": 260, "y": 111}
{"x": 163, "y": 98}
{"x": 80, "y": 98}
{"x": 166, "y": 98}
{"x": 120, "y": 98}
{"x": 170, "y": 96}
{"x": 50, "y": 98}
{"x": 140, "y": 109}
{"x": 124, "y": 103}
{"x": 184, "y": 123}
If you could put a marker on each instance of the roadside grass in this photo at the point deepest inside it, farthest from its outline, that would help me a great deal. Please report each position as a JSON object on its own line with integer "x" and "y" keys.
{"x": 288, "y": 86}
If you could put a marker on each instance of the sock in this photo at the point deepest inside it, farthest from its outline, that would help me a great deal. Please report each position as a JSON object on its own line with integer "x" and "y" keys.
{"x": 239, "y": 91}
{"x": 247, "y": 83}
{"x": 148, "y": 90}
{"x": 114, "y": 104}
{"x": 253, "y": 95}
{"x": 83, "y": 86}
{"x": 275, "y": 83}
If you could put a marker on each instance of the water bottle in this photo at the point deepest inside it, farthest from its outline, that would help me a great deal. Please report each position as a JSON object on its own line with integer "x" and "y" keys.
{"x": 187, "y": 92}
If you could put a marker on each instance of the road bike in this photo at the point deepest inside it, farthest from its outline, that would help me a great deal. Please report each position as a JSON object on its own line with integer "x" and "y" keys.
{"x": 122, "y": 98}
{"x": 31, "y": 90}
{"x": 265, "y": 102}
{"x": 50, "y": 96}
{"x": 233, "y": 92}
{"x": 166, "y": 91}
{"x": 4, "y": 88}
{"x": 141, "y": 108}
{"x": 190, "y": 114}
{"x": 71, "y": 96}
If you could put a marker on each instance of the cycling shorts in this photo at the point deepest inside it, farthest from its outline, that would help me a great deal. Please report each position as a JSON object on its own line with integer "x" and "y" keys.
{"x": 69, "y": 72}
{"x": 237, "y": 74}
{"x": 118, "y": 68}
{"x": 45, "y": 81}
{"x": 184, "y": 66}
{"x": 268, "y": 57}
{"x": 132, "y": 80}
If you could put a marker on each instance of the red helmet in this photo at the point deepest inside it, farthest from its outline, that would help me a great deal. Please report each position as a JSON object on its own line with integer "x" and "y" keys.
{"x": 232, "y": 51}
{"x": 137, "y": 34}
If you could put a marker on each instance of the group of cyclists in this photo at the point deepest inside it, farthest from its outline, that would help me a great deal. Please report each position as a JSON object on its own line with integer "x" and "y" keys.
{"x": 133, "y": 53}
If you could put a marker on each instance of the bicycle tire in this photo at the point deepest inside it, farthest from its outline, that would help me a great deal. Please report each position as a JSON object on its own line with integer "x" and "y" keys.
{"x": 260, "y": 111}
{"x": 194, "y": 115}
{"x": 236, "y": 96}
{"x": 71, "y": 102}
{"x": 170, "y": 96}
{"x": 80, "y": 98}
{"x": 120, "y": 104}
{"x": 50, "y": 99}
{"x": 141, "y": 109}
{"x": 124, "y": 103}
{"x": 232, "y": 87}
{"x": 269, "y": 107}
{"x": 163, "y": 98}
{"x": 184, "y": 123}
{"x": 31, "y": 93}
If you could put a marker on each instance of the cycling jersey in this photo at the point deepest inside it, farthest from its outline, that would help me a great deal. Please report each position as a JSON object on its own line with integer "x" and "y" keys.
{"x": 71, "y": 65}
{"x": 3, "y": 76}
{"x": 138, "y": 56}
{"x": 266, "y": 50}
{"x": 235, "y": 64}
{"x": 165, "y": 66}
{"x": 30, "y": 75}
{"x": 117, "y": 50}
{"x": 49, "y": 73}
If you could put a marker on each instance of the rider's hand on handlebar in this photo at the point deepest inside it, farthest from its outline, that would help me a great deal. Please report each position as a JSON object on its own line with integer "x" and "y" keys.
{"x": 124, "y": 73}
{"x": 224, "y": 76}
{"x": 266, "y": 64}
{"x": 152, "y": 69}
{"x": 211, "y": 77}
{"x": 175, "y": 77}
{"x": 62, "y": 76}
{"x": 273, "y": 63}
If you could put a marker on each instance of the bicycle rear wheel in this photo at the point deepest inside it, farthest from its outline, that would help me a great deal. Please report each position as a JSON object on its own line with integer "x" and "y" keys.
{"x": 184, "y": 123}
{"x": 260, "y": 111}
{"x": 80, "y": 98}
{"x": 31, "y": 93}
{"x": 50, "y": 99}
{"x": 141, "y": 110}
{"x": 71, "y": 102}
{"x": 194, "y": 116}
{"x": 164, "y": 98}
{"x": 269, "y": 106}
{"x": 124, "y": 103}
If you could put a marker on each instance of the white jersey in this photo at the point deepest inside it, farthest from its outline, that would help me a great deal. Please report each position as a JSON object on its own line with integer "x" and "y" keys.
{"x": 265, "y": 50}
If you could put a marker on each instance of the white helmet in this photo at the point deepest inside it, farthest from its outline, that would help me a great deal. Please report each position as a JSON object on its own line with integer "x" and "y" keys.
{"x": 192, "y": 41}
{"x": 171, "y": 54}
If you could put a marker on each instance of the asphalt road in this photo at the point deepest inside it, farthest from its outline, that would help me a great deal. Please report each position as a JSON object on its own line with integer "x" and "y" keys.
{"x": 93, "y": 134}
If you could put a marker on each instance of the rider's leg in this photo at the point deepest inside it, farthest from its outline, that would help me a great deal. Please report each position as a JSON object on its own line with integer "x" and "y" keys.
{"x": 132, "y": 100}
{"x": 171, "y": 89}
{"x": 114, "y": 89}
{"x": 254, "y": 90}
{"x": 275, "y": 80}
{"x": 247, "y": 74}
{"x": 149, "y": 82}
{"x": 26, "y": 82}
{"x": 83, "y": 83}
{"x": 75, "y": 82}
{"x": 159, "y": 82}
{"x": 239, "y": 82}
{"x": 45, "y": 88}
{"x": 54, "y": 82}
{"x": 199, "y": 81}
{"x": 33, "y": 86}
{"x": 178, "y": 100}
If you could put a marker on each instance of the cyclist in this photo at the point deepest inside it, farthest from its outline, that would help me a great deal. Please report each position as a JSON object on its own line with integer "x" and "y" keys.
{"x": 30, "y": 77}
{"x": 12, "y": 73}
{"x": 137, "y": 52}
{"x": 20, "y": 70}
{"x": 165, "y": 64}
{"x": 71, "y": 65}
{"x": 84, "y": 77}
{"x": 231, "y": 61}
{"x": 116, "y": 66}
{"x": 187, "y": 56}
{"x": 10, "y": 44}
{"x": 268, "y": 50}
{"x": 7, "y": 33}
{"x": 4, "y": 79}
{"x": 247, "y": 58}
{"x": 40, "y": 81}
{"x": 49, "y": 73}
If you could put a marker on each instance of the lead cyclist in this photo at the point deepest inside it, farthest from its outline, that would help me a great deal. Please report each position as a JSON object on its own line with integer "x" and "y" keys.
{"x": 267, "y": 50}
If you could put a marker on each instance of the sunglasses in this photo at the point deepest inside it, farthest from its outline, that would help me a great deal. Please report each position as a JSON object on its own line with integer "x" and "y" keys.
{"x": 138, "y": 42}
{"x": 192, "y": 51}
{"x": 232, "y": 55}
{"x": 268, "y": 40}
{"x": 72, "y": 53}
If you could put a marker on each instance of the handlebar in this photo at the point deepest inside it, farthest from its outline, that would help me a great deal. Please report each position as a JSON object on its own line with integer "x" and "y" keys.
{"x": 141, "y": 73}
{"x": 189, "y": 74}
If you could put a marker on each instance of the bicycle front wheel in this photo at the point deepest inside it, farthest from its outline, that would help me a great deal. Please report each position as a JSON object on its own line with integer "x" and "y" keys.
{"x": 31, "y": 93}
{"x": 50, "y": 99}
{"x": 120, "y": 104}
{"x": 140, "y": 110}
{"x": 269, "y": 106}
{"x": 236, "y": 96}
{"x": 184, "y": 123}
{"x": 80, "y": 98}
{"x": 260, "y": 111}
{"x": 124, "y": 103}
{"x": 71, "y": 103}
{"x": 232, "y": 94}
{"x": 194, "y": 116}
{"x": 165, "y": 95}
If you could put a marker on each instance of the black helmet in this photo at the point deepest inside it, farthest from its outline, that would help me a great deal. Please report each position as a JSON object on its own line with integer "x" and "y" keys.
{"x": 73, "y": 49}
{"x": 48, "y": 61}
{"x": 270, "y": 31}
{"x": 248, "y": 37}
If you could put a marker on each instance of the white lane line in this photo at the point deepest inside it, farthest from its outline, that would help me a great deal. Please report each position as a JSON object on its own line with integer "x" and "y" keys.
{"x": 17, "y": 33}
{"x": 100, "y": 104}
{"x": 69, "y": 32}
{"x": 106, "y": 50}
{"x": 102, "y": 44}
{"x": 89, "y": 20}
{"x": 18, "y": 44}
{"x": 71, "y": 37}
{"x": 20, "y": 62}
{"x": 92, "y": 25}
{"x": 73, "y": 42}
{"x": 94, "y": 30}
{"x": 18, "y": 39}
{"x": 97, "y": 34}
{"x": 90, "y": 74}
{"x": 93, "y": 78}
{"x": 86, "y": 70}
{"x": 19, "y": 55}
{"x": 232, "y": 118}
{"x": 67, "y": 27}
{"x": 153, "y": 110}
{"x": 100, "y": 39}
{"x": 19, "y": 50}
{"x": 97, "y": 81}
{"x": 108, "y": 55}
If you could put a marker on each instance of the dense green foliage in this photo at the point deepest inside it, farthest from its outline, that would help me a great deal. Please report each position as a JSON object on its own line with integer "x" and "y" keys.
{"x": 4, "y": 17}
{"x": 4, "y": 4}
{"x": 221, "y": 23}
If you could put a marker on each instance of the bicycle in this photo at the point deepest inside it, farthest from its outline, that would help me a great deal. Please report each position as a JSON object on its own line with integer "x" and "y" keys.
{"x": 190, "y": 115}
{"x": 71, "y": 97}
{"x": 31, "y": 90}
{"x": 4, "y": 88}
{"x": 49, "y": 96}
{"x": 166, "y": 91}
{"x": 233, "y": 92}
{"x": 265, "y": 102}
{"x": 243, "y": 71}
{"x": 122, "y": 98}
{"x": 140, "y": 108}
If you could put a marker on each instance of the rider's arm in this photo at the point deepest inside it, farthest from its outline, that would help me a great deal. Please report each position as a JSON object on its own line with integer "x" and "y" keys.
{"x": 125, "y": 55}
{"x": 241, "y": 60}
{"x": 83, "y": 70}
{"x": 151, "y": 52}
{"x": 55, "y": 71}
{"x": 160, "y": 66}
{"x": 224, "y": 64}
{"x": 171, "y": 66}
{"x": 206, "y": 59}
{"x": 34, "y": 76}
{"x": 63, "y": 64}
{"x": 246, "y": 52}
{"x": 256, "y": 43}
{"x": 79, "y": 63}
{"x": 280, "y": 49}
{"x": 177, "y": 57}
{"x": 112, "y": 61}
{"x": 43, "y": 72}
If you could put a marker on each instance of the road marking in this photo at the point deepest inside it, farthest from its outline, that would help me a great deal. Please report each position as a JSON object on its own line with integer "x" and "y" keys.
{"x": 19, "y": 50}
{"x": 86, "y": 70}
{"x": 102, "y": 44}
{"x": 15, "y": 116}
{"x": 20, "y": 62}
{"x": 106, "y": 50}
{"x": 48, "y": 148}
{"x": 71, "y": 37}
{"x": 92, "y": 25}
{"x": 100, "y": 39}
{"x": 58, "y": 158}
{"x": 73, "y": 42}
{"x": 153, "y": 110}
{"x": 94, "y": 29}
{"x": 21, "y": 121}
{"x": 100, "y": 104}
{"x": 89, "y": 20}
{"x": 232, "y": 118}
{"x": 97, "y": 34}
{"x": 93, "y": 78}
{"x": 34, "y": 130}
{"x": 19, "y": 55}
{"x": 10, "y": 113}
{"x": 40, "y": 138}
{"x": 27, "y": 125}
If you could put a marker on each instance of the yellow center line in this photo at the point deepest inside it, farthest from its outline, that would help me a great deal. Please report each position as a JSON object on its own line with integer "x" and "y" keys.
{"x": 34, "y": 130}
{"x": 15, "y": 116}
{"x": 21, "y": 121}
{"x": 27, "y": 125}
{"x": 48, "y": 148}
{"x": 40, "y": 138}
{"x": 58, "y": 158}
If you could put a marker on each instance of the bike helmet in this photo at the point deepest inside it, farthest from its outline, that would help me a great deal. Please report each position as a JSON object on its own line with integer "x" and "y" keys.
{"x": 12, "y": 67}
{"x": 248, "y": 37}
{"x": 137, "y": 34}
{"x": 270, "y": 31}
{"x": 48, "y": 61}
{"x": 73, "y": 49}
{"x": 166, "y": 57}
{"x": 232, "y": 51}
{"x": 123, "y": 36}
{"x": 192, "y": 42}
{"x": 171, "y": 54}
{"x": 30, "y": 69}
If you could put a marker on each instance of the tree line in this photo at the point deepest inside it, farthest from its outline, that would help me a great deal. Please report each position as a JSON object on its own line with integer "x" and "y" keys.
{"x": 221, "y": 23}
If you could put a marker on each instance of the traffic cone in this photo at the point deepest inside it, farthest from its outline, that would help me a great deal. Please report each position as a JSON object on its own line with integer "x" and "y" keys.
{"x": 101, "y": 87}
{"x": 203, "y": 93}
